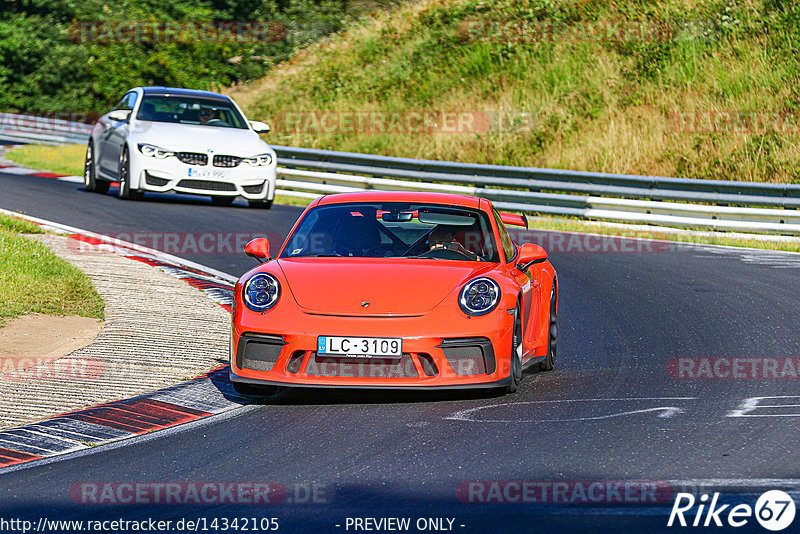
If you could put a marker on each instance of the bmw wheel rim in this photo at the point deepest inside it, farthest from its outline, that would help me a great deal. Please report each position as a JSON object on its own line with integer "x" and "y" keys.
{"x": 87, "y": 167}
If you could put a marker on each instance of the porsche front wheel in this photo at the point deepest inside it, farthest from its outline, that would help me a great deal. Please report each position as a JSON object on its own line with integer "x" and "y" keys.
{"x": 550, "y": 361}
{"x": 515, "y": 374}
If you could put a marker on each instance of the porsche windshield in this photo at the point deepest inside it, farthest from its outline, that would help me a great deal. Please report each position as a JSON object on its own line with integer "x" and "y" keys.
{"x": 394, "y": 230}
{"x": 189, "y": 110}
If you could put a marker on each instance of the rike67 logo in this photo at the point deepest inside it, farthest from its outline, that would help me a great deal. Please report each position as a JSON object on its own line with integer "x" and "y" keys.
{"x": 774, "y": 510}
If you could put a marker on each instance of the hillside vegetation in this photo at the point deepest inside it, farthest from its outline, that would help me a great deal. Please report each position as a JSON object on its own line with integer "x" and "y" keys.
{"x": 688, "y": 88}
{"x": 76, "y": 57}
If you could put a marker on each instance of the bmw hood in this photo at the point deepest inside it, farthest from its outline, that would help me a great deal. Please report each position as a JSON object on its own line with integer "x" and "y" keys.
{"x": 193, "y": 138}
{"x": 389, "y": 287}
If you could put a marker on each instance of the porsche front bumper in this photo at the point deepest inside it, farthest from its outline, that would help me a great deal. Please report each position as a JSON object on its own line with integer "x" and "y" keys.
{"x": 454, "y": 355}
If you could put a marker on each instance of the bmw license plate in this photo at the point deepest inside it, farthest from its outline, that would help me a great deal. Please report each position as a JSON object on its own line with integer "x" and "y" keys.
{"x": 219, "y": 174}
{"x": 360, "y": 347}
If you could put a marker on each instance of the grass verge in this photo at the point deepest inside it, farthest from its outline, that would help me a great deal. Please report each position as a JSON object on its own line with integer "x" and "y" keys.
{"x": 66, "y": 159}
{"x": 33, "y": 279}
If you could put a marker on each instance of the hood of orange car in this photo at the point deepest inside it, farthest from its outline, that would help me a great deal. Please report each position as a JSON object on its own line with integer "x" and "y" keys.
{"x": 392, "y": 287}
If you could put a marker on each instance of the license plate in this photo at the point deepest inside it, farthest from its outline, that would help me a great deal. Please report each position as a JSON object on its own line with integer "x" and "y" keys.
{"x": 360, "y": 347}
{"x": 195, "y": 172}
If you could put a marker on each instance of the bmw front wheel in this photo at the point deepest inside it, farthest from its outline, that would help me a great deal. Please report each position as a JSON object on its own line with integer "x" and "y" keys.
{"x": 125, "y": 191}
{"x": 90, "y": 182}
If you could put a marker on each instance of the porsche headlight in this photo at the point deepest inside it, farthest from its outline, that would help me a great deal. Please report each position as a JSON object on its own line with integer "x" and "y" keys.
{"x": 479, "y": 296}
{"x": 261, "y": 292}
{"x": 153, "y": 151}
{"x": 261, "y": 160}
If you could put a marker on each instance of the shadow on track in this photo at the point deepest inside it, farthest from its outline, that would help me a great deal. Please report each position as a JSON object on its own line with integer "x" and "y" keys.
{"x": 301, "y": 396}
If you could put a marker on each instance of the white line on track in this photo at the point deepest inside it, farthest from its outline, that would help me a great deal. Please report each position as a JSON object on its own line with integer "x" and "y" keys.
{"x": 666, "y": 411}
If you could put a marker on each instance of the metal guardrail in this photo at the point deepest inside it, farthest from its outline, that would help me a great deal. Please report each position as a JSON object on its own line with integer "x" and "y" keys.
{"x": 42, "y": 130}
{"x": 685, "y": 203}
{"x": 679, "y": 202}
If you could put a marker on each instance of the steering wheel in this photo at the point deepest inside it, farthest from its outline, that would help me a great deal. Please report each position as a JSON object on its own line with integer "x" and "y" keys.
{"x": 442, "y": 253}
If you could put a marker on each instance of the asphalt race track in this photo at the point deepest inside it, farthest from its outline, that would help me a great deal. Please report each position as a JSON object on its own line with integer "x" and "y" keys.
{"x": 615, "y": 408}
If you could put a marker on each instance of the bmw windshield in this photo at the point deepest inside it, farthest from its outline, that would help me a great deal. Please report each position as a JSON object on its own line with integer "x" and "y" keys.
{"x": 190, "y": 110}
{"x": 394, "y": 230}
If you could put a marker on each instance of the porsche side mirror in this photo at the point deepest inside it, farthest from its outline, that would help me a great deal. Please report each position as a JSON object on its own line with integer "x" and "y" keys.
{"x": 121, "y": 115}
{"x": 260, "y": 127}
{"x": 258, "y": 248}
{"x": 530, "y": 254}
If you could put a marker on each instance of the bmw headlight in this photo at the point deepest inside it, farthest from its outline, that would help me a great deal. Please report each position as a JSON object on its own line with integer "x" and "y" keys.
{"x": 261, "y": 160}
{"x": 479, "y": 296}
{"x": 261, "y": 292}
{"x": 153, "y": 151}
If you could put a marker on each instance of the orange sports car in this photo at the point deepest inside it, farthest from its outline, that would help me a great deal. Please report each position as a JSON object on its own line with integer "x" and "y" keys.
{"x": 395, "y": 290}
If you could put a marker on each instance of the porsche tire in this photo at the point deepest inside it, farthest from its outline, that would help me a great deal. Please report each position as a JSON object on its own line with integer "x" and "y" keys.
{"x": 90, "y": 182}
{"x": 515, "y": 373}
{"x": 253, "y": 390}
{"x": 550, "y": 360}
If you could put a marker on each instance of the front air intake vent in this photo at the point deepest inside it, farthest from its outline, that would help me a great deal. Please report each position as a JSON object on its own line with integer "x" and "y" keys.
{"x": 258, "y": 352}
{"x": 296, "y": 361}
{"x": 428, "y": 365}
{"x": 154, "y": 180}
{"x": 470, "y": 355}
{"x": 192, "y": 158}
{"x": 226, "y": 161}
{"x": 206, "y": 185}
{"x": 253, "y": 189}
{"x": 362, "y": 367}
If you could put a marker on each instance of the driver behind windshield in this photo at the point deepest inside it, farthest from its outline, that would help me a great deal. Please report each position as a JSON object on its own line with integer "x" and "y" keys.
{"x": 443, "y": 238}
{"x": 207, "y": 114}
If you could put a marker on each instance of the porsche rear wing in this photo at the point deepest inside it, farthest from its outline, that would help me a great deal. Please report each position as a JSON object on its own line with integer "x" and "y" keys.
{"x": 514, "y": 219}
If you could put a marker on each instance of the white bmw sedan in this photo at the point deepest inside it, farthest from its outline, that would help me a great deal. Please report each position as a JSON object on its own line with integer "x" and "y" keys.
{"x": 164, "y": 139}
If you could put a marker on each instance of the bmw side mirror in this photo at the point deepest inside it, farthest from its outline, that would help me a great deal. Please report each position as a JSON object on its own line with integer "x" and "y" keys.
{"x": 121, "y": 115}
{"x": 258, "y": 248}
{"x": 260, "y": 127}
{"x": 530, "y": 254}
